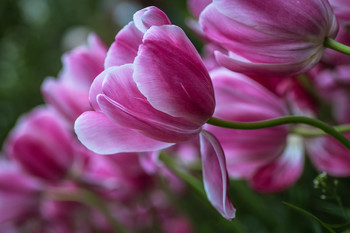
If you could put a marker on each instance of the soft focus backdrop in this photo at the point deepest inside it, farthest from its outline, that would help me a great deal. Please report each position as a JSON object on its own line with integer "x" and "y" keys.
{"x": 33, "y": 36}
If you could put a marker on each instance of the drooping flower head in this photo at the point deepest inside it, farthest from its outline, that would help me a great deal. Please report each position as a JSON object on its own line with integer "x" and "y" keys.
{"x": 269, "y": 38}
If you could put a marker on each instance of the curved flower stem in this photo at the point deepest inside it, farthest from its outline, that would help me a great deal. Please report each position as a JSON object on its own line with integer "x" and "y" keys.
{"x": 332, "y": 44}
{"x": 281, "y": 121}
{"x": 307, "y": 132}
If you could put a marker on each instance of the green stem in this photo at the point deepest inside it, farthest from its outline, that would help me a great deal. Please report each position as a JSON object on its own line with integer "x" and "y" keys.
{"x": 332, "y": 44}
{"x": 281, "y": 121}
{"x": 189, "y": 179}
{"x": 307, "y": 132}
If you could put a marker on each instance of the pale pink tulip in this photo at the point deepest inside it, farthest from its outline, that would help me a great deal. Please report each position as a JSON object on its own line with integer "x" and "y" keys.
{"x": 269, "y": 38}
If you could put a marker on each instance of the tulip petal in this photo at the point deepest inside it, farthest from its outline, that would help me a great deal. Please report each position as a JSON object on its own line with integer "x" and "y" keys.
{"x": 171, "y": 75}
{"x": 124, "y": 48}
{"x": 328, "y": 155}
{"x": 233, "y": 62}
{"x": 215, "y": 176}
{"x": 102, "y": 136}
{"x": 123, "y": 103}
{"x": 150, "y": 16}
{"x": 284, "y": 171}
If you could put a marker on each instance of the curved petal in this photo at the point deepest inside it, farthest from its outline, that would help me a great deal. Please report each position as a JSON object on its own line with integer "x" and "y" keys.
{"x": 171, "y": 75}
{"x": 329, "y": 155}
{"x": 150, "y": 16}
{"x": 234, "y": 63}
{"x": 215, "y": 176}
{"x": 123, "y": 103}
{"x": 284, "y": 171}
{"x": 102, "y": 136}
{"x": 124, "y": 48}
{"x": 96, "y": 88}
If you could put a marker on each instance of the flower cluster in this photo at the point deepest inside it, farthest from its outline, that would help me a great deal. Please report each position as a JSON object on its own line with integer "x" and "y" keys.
{"x": 91, "y": 158}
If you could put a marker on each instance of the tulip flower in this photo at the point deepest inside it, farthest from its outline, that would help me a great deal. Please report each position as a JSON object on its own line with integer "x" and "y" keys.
{"x": 269, "y": 38}
{"x": 155, "y": 92}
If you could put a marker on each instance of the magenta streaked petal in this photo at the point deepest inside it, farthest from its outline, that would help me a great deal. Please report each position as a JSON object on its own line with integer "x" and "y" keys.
{"x": 102, "y": 136}
{"x": 124, "y": 48}
{"x": 328, "y": 155}
{"x": 284, "y": 171}
{"x": 150, "y": 16}
{"x": 215, "y": 176}
{"x": 171, "y": 75}
{"x": 123, "y": 103}
{"x": 267, "y": 69}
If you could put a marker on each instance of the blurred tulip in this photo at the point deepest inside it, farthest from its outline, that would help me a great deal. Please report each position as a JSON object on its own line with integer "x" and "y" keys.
{"x": 42, "y": 144}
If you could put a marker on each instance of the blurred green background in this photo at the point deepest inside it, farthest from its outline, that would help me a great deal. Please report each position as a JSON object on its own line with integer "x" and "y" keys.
{"x": 33, "y": 36}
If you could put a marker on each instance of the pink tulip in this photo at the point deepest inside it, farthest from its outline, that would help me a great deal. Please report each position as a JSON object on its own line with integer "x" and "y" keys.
{"x": 42, "y": 145}
{"x": 155, "y": 92}
{"x": 69, "y": 94}
{"x": 269, "y": 38}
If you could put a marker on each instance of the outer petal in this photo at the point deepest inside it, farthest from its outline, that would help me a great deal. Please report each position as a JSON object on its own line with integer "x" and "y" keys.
{"x": 125, "y": 47}
{"x": 329, "y": 155}
{"x": 102, "y": 136}
{"x": 150, "y": 16}
{"x": 215, "y": 176}
{"x": 171, "y": 75}
{"x": 123, "y": 103}
{"x": 237, "y": 64}
{"x": 284, "y": 171}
